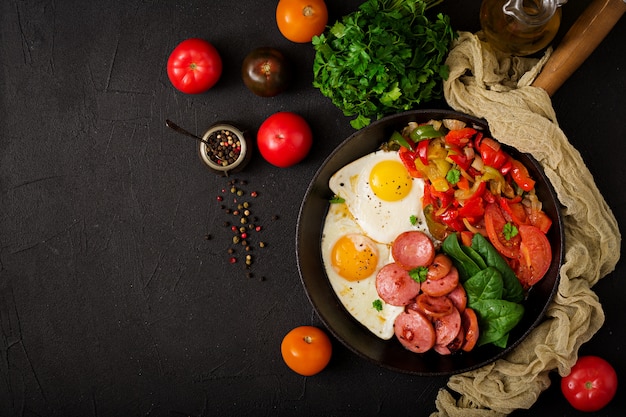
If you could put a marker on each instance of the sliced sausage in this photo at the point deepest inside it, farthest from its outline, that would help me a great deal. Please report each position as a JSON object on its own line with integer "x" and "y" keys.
{"x": 412, "y": 249}
{"x": 452, "y": 347}
{"x": 469, "y": 321}
{"x": 434, "y": 307}
{"x": 395, "y": 286}
{"x": 440, "y": 267}
{"x": 415, "y": 331}
{"x": 458, "y": 296}
{"x": 442, "y": 286}
{"x": 447, "y": 327}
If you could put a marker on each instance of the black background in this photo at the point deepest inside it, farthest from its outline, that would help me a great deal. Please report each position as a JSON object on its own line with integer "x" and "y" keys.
{"x": 113, "y": 301}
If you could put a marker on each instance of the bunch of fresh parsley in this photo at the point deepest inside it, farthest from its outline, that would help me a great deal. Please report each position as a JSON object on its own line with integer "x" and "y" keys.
{"x": 383, "y": 58}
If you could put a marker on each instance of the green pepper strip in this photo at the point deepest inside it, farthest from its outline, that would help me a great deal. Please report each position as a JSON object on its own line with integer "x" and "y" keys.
{"x": 424, "y": 132}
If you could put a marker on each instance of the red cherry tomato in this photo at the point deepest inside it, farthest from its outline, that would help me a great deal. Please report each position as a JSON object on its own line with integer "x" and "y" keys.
{"x": 306, "y": 350}
{"x": 194, "y": 66}
{"x": 591, "y": 384}
{"x": 284, "y": 139}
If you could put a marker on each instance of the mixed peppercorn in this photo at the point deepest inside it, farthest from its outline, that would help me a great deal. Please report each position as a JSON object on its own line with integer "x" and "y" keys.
{"x": 242, "y": 222}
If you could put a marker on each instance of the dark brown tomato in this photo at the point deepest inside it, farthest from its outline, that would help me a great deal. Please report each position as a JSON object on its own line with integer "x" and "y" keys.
{"x": 266, "y": 72}
{"x": 414, "y": 331}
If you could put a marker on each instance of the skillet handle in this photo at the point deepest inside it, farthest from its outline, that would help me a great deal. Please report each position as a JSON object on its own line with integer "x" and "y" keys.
{"x": 579, "y": 42}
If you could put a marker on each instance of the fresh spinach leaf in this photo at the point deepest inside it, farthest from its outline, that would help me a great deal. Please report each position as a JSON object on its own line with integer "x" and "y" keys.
{"x": 464, "y": 264}
{"x": 513, "y": 290}
{"x": 485, "y": 285}
{"x": 469, "y": 251}
{"x": 496, "y": 319}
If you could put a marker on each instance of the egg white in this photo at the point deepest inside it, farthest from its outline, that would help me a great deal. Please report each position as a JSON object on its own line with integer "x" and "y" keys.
{"x": 380, "y": 220}
{"x": 357, "y": 296}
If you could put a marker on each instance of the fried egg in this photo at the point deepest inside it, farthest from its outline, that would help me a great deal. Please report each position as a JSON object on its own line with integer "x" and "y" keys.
{"x": 351, "y": 260}
{"x": 381, "y": 196}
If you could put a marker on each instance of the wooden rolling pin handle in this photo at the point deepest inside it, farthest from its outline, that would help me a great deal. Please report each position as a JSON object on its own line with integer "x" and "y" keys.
{"x": 583, "y": 37}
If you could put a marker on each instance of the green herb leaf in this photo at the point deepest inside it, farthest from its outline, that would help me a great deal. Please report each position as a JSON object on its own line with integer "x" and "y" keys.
{"x": 385, "y": 57}
{"x": 510, "y": 231}
{"x": 419, "y": 274}
{"x": 337, "y": 200}
{"x": 413, "y": 219}
{"x": 453, "y": 176}
{"x": 377, "y": 304}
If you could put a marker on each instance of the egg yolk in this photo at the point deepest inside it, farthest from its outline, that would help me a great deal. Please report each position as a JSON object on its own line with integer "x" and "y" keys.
{"x": 390, "y": 180}
{"x": 354, "y": 257}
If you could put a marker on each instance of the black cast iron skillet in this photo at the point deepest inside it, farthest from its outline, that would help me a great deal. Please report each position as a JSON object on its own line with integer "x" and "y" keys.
{"x": 390, "y": 353}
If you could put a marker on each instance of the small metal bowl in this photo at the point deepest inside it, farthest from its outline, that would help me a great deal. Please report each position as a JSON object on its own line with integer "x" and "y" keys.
{"x": 212, "y": 162}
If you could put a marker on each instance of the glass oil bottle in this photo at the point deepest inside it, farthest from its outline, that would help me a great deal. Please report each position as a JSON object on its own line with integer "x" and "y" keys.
{"x": 520, "y": 27}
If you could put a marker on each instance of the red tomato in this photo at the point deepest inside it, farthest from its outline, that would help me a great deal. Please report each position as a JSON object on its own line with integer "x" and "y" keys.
{"x": 494, "y": 223}
{"x": 535, "y": 255}
{"x": 194, "y": 66}
{"x": 300, "y": 20}
{"x": 591, "y": 384}
{"x": 306, "y": 350}
{"x": 284, "y": 139}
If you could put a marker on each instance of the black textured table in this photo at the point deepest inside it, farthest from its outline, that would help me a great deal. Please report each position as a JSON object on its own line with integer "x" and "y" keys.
{"x": 117, "y": 297}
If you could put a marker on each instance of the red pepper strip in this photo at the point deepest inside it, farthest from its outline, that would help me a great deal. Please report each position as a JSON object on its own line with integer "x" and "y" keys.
{"x": 489, "y": 198}
{"x": 422, "y": 150}
{"x": 506, "y": 168}
{"x": 457, "y": 156}
{"x": 460, "y": 137}
{"x": 478, "y": 139}
{"x": 520, "y": 175}
{"x": 450, "y": 218}
{"x": 473, "y": 209}
{"x": 514, "y": 209}
{"x": 442, "y": 198}
{"x": 408, "y": 159}
{"x": 427, "y": 198}
{"x": 492, "y": 154}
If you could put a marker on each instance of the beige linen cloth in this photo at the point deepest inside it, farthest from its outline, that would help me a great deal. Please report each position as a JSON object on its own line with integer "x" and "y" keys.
{"x": 487, "y": 84}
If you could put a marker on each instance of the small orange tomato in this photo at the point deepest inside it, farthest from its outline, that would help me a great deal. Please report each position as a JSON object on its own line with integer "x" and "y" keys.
{"x": 306, "y": 350}
{"x": 300, "y": 20}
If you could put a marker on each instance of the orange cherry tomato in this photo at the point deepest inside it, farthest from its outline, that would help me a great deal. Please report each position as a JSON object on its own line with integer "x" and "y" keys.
{"x": 300, "y": 20}
{"x": 306, "y": 350}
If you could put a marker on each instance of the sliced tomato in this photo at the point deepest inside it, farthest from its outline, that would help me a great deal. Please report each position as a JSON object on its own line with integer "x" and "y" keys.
{"x": 515, "y": 210}
{"x": 535, "y": 255}
{"x": 494, "y": 223}
{"x": 539, "y": 219}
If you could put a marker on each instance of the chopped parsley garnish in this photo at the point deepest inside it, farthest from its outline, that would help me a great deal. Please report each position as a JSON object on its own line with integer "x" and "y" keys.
{"x": 337, "y": 200}
{"x": 413, "y": 219}
{"x": 419, "y": 274}
{"x": 377, "y": 304}
{"x": 453, "y": 176}
{"x": 510, "y": 231}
